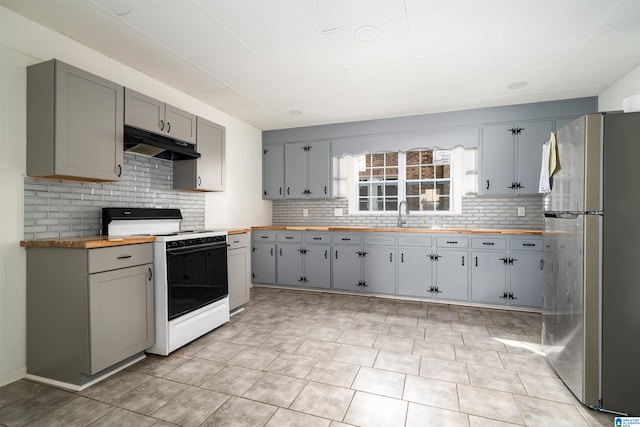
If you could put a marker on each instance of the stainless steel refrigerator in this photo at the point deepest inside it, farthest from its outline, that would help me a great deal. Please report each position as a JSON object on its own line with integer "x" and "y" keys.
{"x": 591, "y": 292}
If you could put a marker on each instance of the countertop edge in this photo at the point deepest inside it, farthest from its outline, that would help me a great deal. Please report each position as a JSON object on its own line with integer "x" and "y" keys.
{"x": 89, "y": 242}
{"x": 514, "y": 231}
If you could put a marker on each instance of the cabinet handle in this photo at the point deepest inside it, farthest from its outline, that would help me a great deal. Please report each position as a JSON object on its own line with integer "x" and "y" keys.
{"x": 124, "y": 257}
{"x": 336, "y": 254}
{"x": 487, "y": 184}
{"x": 452, "y": 242}
{"x": 488, "y": 243}
{"x": 150, "y": 274}
{"x": 199, "y": 181}
{"x": 463, "y": 260}
{"x": 288, "y": 191}
{"x": 271, "y": 251}
{"x": 541, "y": 264}
{"x": 280, "y": 191}
{"x": 168, "y": 127}
{"x": 476, "y": 261}
{"x": 402, "y": 257}
{"x": 346, "y": 239}
{"x": 119, "y": 170}
{"x": 254, "y": 249}
{"x": 326, "y": 253}
{"x": 264, "y": 237}
{"x": 390, "y": 256}
{"x": 265, "y": 192}
{"x": 280, "y": 251}
{"x": 325, "y": 189}
{"x": 289, "y": 237}
{"x": 236, "y": 241}
{"x": 161, "y": 124}
{"x": 317, "y": 238}
{"x": 529, "y": 244}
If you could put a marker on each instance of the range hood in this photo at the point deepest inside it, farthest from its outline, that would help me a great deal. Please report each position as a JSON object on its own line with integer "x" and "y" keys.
{"x": 154, "y": 145}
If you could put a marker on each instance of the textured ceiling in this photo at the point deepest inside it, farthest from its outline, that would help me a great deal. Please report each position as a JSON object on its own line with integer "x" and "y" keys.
{"x": 289, "y": 63}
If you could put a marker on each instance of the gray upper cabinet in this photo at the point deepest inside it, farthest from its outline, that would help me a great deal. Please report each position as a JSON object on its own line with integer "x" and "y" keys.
{"x": 74, "y": 124}
{"x": 273, "y": 171}
{"x": 150, "y": 114}
{"x": 207, "y": 172}
{"x": 510, "y": 157}
{"x": 307, "y": 170}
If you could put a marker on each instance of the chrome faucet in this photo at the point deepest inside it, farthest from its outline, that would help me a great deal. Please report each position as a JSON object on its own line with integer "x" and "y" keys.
{"x": 402, "y": 222}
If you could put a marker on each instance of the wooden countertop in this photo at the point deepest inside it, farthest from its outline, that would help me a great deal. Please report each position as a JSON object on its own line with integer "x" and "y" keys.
{"x": 402, "y": 230}
{"x": 90, "y": 242}
{"x": 238, "y": 231}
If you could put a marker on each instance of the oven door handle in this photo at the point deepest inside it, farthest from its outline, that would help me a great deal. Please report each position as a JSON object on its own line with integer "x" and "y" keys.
{"x": 195, "y": 249}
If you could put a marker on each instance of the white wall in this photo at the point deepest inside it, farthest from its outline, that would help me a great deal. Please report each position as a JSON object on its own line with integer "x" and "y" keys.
{"x": 611, "y": 98}
{"x": 23, "y": 42}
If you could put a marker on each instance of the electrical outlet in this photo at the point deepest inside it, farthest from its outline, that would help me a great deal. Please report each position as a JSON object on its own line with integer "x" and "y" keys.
{"x": 305, "y": 212}
{"x": 337, "y": 212}
{"x": 521, "y": 211}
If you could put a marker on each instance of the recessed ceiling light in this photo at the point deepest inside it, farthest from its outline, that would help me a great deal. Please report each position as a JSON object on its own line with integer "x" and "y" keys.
{"x": 366, "y": 33}
{"x": 517, "y": 85}
{"x": 295, "y": 112}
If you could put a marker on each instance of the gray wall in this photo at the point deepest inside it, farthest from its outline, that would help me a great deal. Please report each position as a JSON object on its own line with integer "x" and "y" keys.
{"x": 54, "y": 208}
{"x": 477, "y": 212}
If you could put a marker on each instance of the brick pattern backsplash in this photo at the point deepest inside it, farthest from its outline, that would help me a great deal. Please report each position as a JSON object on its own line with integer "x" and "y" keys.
{"x": 477, "y": 212}
{"x": 54, "y": 208}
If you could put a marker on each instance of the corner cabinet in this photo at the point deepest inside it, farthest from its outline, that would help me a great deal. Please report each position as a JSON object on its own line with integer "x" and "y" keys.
{"x": 150, "y": 114}
{"x": 74, "y": 124}
{"x": 273, "y": 172}
{"x": 88, "y": 310}
{"x": 511, "y": 156}
{"x": 263, "y": 257}
{"x": 239, "y": 268}
{"x": 206, "y": 173}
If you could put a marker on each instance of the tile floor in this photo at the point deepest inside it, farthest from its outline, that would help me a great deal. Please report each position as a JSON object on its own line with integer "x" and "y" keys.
{"x": 298, "y": 358}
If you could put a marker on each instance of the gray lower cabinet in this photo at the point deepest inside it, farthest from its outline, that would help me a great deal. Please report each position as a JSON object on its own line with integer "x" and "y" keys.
{"x": 303, "y": 260}
{"x": 511, "y": 274}
{"x": 451, "y": 275}
{"x": 364, "y": 262}
{"x": 150, "y": 114}
{"x": 207, "y": 172}
{"x": 317, "y": 266}
{"x": 289, "y": 264}
{"x": 74, "y": 124}
{"x": 239, "y": 269}
{"x": 88, "y": 310}
{"x": 263, "y": 257}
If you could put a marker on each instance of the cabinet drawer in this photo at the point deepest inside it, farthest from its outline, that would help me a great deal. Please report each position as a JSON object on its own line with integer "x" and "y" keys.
{"x": 317, "y": 238}
{"x": 488, "y": 243}
{"x": 452, "y": 242}
{"x": 417, "y": 240}
{"x": 114, "y": 257}
{"x": 524, "y": 244}
{"x": 290, "y": 237}
{"x": 238, "y": 240}
{"x": 348, "y": 239}
{"x": 263, "y": 236}
{"x": 377, "y": 239}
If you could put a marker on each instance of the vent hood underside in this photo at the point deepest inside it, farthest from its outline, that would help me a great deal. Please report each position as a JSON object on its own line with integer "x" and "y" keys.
{"x": 150, "y": 144}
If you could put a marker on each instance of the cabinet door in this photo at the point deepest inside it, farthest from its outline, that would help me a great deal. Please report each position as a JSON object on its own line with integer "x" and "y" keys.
{"x": 238, "y": 267}
{"x": 273, "y": 171}
{"x": 121, "y": 314}
{"x": 180, "y": 124}
{"x": 452, "y": 275}
{"x": 530, "y": 141}
{"x": 319, "y": 170}
{"x": 207, "y": 172}
{"x": 295, "y": 170}
{"x": 380, "y": 269}
{"x": 347, "y": 268}
{"x": 263, "y": 263}
{"x": 497, "y": 160}
{"x": 289, "y": 264}
{"x": 143, "y": 112}
{"x": 414, "y": 272}
{"x": 317, "y": 266}
{"x": 526, "y": 279}
{"x": 488, "y": 277}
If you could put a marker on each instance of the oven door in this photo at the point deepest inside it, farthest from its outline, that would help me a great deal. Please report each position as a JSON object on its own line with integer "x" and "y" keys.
{"x": 196, "y": 276}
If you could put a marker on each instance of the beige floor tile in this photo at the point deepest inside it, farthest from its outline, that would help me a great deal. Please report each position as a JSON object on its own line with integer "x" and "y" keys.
{"x": 356, "y": 355}
{"x": 381, "y": 382}
{"x": 220, "y": 351}
{"x": 283, "y": 343}
{"x": 294, "y": 365}
{"x": 434, "y": 349}
{"x": 423, "y": 416}
{"x": 323, "y": 400}
{"x": 371, "y": 317}
{"x": 443, "y": 336}
{"x": 478, "y": 356}
{"x": 417, "y": 311}
{"x": 233, "y": 380}
{"x": 334, "y": 373}
{"x": 495, "y": 379}
{"x": 402, "y": 320}
{"x": 150, "y": 396}
{"x": 486, "y": 403}
{"x": 443, "y": 315}
{"x": 538, "y": 412}
{"x": 427, "y": 391}
{"x": 319, "y": 349}
{"x": 396, "y": 344}
{"x": 122, "y": 417}
{"x": 159, "y": 366}
{"x": 407, "y": 332}
{"x": 547, "y": 388}
{"x": 359, "y": 338}
{"x": 287, "y": 418}
{"x": 115, "y": 386}
{"x": 475, "y": 421}
{"x": 322, "y": 333}
{"x": 432, "y": 323}
{"x": 238, "y": 412}
{"x": 78, "y": 412}
{"x": 479, "y": 318}
{"x": 195, "y": 371}
{"x": 254, "y": 358}
{"x": 398, "y": 362}
{"x": 250, "y": 338}
{"x": 370, "y": 326}
{"x": 480, "y": 341}
{"x": 274, "y": 389}
{"x": 528, "y": 363}
{"x": 192, "y": 407}
{"x": 376, "y": 411}
{"x": 446, "y": 370}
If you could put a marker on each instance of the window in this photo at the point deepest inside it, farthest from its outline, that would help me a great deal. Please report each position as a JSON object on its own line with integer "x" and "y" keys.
{"x": 421, "y": 177}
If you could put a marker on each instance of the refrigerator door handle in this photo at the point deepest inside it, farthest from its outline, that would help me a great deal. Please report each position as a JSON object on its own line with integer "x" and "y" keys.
{"x": 571, "y": 214}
